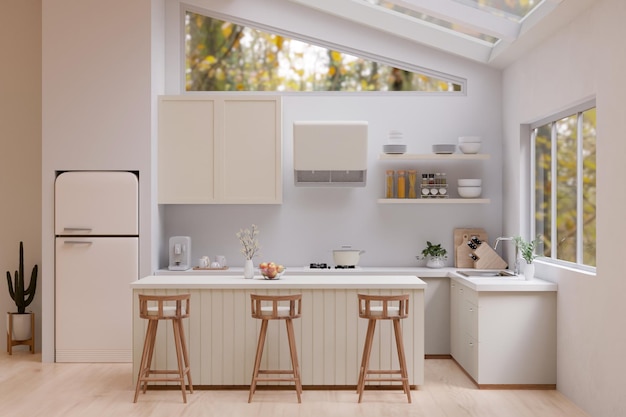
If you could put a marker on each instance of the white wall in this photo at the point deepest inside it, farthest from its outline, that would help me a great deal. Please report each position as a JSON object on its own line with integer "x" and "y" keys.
{"x": 20, "y": 151}
{"x": 96, "y": 110}
{"x": 585, "y": 58}
{"x": 312, "y": 222}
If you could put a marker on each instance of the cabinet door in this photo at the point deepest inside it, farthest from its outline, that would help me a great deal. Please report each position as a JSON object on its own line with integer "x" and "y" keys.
{"x": 185, "y": 153}
{"x": 249, "y": 154}
{"x": 220, "y": 149}
{"x": 455, "y": 325}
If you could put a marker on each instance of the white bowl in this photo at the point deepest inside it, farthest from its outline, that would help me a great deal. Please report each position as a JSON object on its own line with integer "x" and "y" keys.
{"x": 394, "y": 148}
{"x": 469, "y": 139}
{"x": 444, "y": 148}
{"x": 470, "y": 182}
{"x": 469, "y": 192}
{"x": 469, "y": 147}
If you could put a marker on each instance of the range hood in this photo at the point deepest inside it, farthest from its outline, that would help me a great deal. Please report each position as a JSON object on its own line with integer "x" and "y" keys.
{"x": 330, "y": 153}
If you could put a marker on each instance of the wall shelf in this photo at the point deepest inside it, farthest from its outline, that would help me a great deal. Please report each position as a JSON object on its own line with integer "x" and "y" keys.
{"x": 434, "y": 157}
{"x": 434, "y": 201}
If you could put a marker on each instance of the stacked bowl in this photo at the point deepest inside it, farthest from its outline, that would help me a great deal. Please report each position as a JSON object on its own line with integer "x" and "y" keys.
{"x": 469, "y": 144}
{"x": 396, "y": 143}
{"x": 470, "y": 187}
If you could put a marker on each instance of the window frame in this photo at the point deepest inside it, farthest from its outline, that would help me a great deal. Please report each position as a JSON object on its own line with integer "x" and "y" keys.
{"x": 576, "y": 110}
{"x": 184, "y": 8}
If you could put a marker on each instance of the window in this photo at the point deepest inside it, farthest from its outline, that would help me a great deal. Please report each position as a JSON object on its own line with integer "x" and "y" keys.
{"x": 224, "y": 56}
{"x": 564, "y": 160}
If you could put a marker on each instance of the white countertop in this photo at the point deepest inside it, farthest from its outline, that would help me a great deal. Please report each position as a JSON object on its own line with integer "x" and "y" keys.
{"x": 361, "y": 277}
{"x": 302, "y": 270}
{"x": 323, "y": 281}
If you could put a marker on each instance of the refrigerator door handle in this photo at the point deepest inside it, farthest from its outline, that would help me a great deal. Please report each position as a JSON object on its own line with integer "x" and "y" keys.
{"x": 77, "y": 242}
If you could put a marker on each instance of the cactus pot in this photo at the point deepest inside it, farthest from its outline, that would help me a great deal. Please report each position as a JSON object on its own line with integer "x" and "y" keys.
{"x": 21, "y": 326}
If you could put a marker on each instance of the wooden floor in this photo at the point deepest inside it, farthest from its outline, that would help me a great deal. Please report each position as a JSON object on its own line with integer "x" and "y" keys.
{"x": 31, "y": 388}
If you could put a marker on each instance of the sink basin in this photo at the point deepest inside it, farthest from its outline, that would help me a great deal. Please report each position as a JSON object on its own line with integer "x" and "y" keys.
{"x": 482, "y": 273}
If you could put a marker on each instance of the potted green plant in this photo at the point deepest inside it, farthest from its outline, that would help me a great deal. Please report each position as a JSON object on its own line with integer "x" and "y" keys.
{"x": 527, "y": 252}
{"x": 21, "y": 321}
{"x": 435, "y": 255}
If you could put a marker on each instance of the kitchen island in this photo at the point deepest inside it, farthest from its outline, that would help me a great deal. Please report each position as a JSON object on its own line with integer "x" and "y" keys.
{"x": 222, "y": 336}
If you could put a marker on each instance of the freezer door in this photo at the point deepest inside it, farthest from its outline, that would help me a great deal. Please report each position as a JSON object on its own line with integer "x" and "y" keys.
{"x": 96, "y": 203}
{"x": 93, "y": 298}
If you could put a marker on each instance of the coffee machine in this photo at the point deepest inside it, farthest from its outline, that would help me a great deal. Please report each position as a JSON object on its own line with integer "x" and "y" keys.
{"x": 180, "y": 253}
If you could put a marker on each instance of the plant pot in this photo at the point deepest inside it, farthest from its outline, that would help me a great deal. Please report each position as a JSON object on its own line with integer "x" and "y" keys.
{"x": 529, "y": 271}
{"x": 20, "y": 331}
{"x": 436, "y": 262}
{"x": 21, "y": 326}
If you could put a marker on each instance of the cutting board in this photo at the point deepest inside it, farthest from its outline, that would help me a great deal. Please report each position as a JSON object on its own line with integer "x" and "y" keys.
{"x": 461, "y": 250}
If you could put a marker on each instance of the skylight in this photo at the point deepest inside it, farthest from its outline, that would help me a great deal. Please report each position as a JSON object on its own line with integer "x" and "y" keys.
{"x": 476, "y": 29}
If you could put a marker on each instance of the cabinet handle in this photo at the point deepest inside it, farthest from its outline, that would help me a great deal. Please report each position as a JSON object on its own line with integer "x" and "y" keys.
{"x": 77, "y": 242}
{"x": 75, "y": 229}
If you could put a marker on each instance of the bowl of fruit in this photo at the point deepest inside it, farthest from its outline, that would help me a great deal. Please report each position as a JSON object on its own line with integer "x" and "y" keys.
{"x": 271, "y": 270}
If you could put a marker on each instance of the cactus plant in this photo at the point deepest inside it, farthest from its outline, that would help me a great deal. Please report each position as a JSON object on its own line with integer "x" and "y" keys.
{"x": 22, "y": 297}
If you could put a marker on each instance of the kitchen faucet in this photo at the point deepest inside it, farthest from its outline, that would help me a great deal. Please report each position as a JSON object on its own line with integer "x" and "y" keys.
{"x": 516, "y": 266}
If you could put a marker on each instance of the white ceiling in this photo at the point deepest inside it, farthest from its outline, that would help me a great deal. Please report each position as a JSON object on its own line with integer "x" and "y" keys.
{"x": 515, "y": 37}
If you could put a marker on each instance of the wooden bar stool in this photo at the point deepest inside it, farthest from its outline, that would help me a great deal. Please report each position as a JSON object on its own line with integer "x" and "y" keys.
{"x": 280, "y": 307}
{"x": 381, "y": 307}
{"x": 164, "y": 307}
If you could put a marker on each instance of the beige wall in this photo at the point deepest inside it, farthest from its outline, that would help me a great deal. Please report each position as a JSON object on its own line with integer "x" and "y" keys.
{"x": 585, "y": 58}
{"x": 20, "y": 146}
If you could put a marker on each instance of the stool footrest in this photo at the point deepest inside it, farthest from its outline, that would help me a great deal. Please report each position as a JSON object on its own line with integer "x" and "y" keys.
{"x": 385, "y": 379}
{"x": 276, "y": 371}
{"x": 380, "y": 371}
{"x": 275, "y": 379}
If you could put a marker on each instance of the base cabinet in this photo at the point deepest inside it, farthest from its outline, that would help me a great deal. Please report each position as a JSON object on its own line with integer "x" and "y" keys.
{"x": 504, "y": 338}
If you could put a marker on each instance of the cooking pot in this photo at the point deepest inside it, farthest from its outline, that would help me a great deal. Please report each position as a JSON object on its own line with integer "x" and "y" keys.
{"x": 346, "y": 256}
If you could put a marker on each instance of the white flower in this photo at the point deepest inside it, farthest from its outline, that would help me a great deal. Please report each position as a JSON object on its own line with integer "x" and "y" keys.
{"x": 249, "y": 242}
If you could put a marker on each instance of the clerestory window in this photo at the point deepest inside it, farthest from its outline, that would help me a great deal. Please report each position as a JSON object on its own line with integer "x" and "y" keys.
{"x": 564, "y": 160}
{"x": 224, "y": 56}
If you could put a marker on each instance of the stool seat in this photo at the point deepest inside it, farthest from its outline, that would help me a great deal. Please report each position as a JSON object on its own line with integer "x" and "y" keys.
{"x": 277, "y": 307}
{"x": 155, "y": 308}
{"x": 282, "y": 311}
{"x": 168, "y": 311}
{"x": 383, "y": 307}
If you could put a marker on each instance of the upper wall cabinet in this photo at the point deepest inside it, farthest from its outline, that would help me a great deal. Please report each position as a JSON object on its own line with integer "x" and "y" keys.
{"x": 222, "y": 149}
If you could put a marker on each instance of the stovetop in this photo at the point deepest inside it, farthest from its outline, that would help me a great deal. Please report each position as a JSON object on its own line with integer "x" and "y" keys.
{"x": 316, "y": 266}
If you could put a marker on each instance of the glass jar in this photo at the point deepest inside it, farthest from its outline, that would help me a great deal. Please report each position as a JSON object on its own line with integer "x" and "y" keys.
{"x": 412, "y": 183}
{"x": 401, "y": 184}
{"x": 389, "y": 180}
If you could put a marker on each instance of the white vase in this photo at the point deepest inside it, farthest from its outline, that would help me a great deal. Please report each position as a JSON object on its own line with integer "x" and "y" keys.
{"x": 529, "y": 271}
{"x": 248, "y": 269}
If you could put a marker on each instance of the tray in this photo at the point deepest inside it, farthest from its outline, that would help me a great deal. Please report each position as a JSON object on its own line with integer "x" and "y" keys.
{"x": 197, "y": 268}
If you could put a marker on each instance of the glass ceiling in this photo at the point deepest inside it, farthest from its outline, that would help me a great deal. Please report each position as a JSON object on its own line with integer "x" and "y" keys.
{"x": 511, "y": 9}
{"x": 477, "y": 29}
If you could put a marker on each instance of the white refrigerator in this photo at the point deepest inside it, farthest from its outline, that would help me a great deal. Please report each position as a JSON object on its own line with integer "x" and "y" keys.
{"x": 96, "y": 258}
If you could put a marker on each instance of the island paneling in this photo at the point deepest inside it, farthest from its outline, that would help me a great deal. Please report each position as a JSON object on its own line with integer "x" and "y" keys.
{"x": 222, "y": 336}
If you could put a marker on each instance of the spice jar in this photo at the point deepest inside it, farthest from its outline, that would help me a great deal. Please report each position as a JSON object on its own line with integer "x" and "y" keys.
{"x": 389, "y": 180}
{"x": 412, "y": 183}
{"x": 401, "y": 184}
